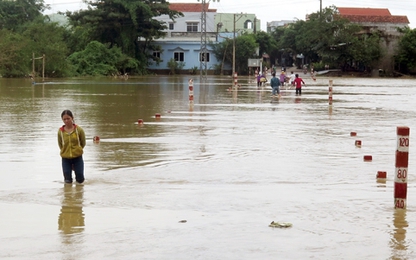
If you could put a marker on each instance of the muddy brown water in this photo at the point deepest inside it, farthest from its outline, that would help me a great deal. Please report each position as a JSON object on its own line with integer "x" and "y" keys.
{"x": 228, "y": 164}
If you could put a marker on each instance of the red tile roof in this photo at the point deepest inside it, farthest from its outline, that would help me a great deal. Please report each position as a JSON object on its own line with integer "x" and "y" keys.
{"x": 189, "y": 7}
{"x": 371, "y": 15}
{"x": 363, "y": 11}
{"x": 377, "y": 19}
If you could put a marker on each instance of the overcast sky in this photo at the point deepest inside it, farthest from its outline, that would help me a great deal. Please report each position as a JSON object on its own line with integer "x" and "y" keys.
{"x": 275, "y": 10}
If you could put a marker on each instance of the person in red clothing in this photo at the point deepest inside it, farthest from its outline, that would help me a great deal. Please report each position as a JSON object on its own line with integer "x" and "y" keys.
{"x": 298, "y": 82}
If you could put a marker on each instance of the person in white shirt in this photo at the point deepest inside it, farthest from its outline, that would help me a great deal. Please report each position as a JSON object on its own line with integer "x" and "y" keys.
{"x": 292, "y": 78}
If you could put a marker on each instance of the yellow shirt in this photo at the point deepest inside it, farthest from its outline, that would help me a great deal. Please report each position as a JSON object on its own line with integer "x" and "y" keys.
{"x": 71, "y": 144}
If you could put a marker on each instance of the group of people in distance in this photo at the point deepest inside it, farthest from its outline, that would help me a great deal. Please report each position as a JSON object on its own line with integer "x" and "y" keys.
{"x": 294, "y": 80}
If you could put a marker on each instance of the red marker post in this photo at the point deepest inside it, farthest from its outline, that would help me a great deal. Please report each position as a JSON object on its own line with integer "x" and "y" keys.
{"x": 191, "y": 91}
{"x": 330, "y": 93}
{"x": 235, "y": 81}
{"x": 402, "y": 162}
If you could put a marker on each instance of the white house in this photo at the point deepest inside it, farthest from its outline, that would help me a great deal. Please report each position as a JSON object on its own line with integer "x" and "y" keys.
{"x": 183, "y": 38}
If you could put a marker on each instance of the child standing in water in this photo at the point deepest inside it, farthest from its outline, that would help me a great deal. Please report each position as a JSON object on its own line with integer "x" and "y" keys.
{"x": 282, "y": 78}
{"x": 298, "y": 83}
{"x": 71, "y": 141}
{"x": 292, "y": 78}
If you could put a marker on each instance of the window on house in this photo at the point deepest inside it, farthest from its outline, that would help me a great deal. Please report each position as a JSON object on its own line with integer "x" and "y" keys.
{"x": 156, "y": 54}
{"x": 192, "y": 27}
{"x": 178, "y": 56}
{"x": 204, "y": 56}
{"x": 171, "y": 26}
{"x": 248, "y": 24}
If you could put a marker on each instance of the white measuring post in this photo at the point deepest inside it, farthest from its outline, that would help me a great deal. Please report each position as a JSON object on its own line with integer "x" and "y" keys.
{"x": 330, "y": 92}
{"x": 402, "y": 162}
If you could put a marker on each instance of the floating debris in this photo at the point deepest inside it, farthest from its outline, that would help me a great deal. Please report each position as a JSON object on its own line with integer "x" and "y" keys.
{"x": 280, "y": 224}
{"x": 183, "y": 221}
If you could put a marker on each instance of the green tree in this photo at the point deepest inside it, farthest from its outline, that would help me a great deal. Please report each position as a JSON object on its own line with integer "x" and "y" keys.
{"x": 77, "y": 38}
{"x": 328, "y": 38}
{"x": 406, "y": 57}
{"x": 267, "y": 44}
{"x": 245, "y": 48}
{"x": 48, "y": 38}
{"x": 341, "y": 43}
{"x": 361, "y": 53}
{"x": 222, "y": 50}
{"x": 99, "y": 59}
{"x": 122, "y": 22}
{"x": 15, "y": 54}
{"x": 14, "y": 14}
{"x": 285, "y": 42}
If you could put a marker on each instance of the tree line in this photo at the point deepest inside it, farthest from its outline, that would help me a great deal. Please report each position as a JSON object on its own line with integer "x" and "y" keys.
{"x": 103, "y": 40}
{"x": 324, "y": 40}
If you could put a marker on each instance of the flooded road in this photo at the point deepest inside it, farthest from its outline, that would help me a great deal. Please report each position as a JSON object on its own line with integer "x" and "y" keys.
{"x": 206, "y": 179}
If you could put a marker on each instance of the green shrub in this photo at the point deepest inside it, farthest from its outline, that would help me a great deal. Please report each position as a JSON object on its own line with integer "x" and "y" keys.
{"x": 175, "y": 66}
{"x": 98, "y": 59}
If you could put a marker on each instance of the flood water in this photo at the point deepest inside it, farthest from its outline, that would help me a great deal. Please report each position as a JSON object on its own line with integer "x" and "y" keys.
{"x": 206, "y": 179}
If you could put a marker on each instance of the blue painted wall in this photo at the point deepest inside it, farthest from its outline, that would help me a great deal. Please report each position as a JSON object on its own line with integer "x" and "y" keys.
{"x": 191, "y": 52}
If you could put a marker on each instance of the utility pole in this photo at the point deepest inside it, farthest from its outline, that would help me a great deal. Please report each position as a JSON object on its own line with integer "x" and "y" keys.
{"x": 33, "y": 65}
{"x": 203, "y": 49}
{"x": 234, "y": 21}
{"x": 320, "y": 9}
{"x": 233, "y": 46}
{"x": 43, "y": 67}
{"x": 203, "y": 56}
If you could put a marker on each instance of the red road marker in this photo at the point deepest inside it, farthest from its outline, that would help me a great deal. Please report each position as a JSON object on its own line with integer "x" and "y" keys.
{"x": 368, "y": 158}
{"x": 381, "y": 175}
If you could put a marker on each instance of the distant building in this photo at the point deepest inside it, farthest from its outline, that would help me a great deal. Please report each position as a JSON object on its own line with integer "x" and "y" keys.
{"x": 378, "y": 20}
{"x": 183, "y": 36}
{"x": 244, "y": 23}
{"x": 271, "y": 26}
